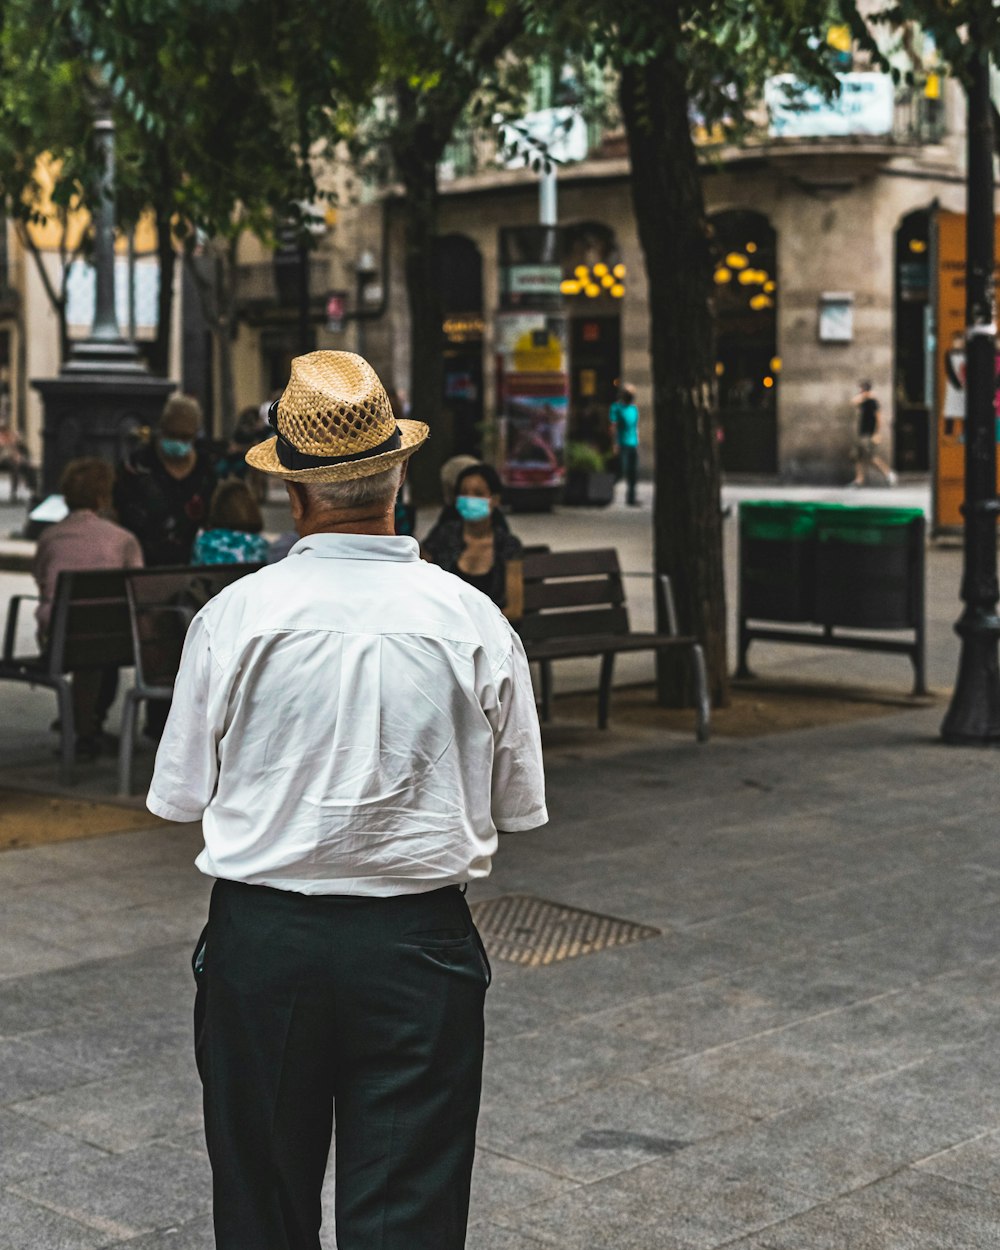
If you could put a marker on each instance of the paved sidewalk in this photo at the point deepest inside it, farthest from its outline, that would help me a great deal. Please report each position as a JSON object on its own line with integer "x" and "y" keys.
{"x": 804, "y": 1059}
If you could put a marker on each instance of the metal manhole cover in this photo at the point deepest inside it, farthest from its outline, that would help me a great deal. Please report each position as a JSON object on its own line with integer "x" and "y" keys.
{"x": 531, "y": 931}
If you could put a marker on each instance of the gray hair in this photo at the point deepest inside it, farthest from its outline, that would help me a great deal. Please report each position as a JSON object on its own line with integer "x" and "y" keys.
{"x": 377, "y": 490}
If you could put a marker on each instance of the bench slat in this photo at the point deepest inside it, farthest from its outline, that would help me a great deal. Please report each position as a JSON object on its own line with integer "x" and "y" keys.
{"x": 542, "y": 625}
{"x": 559, "y": 564}
{"x": 563, "y": 648}
{"x": 541, "y": 595}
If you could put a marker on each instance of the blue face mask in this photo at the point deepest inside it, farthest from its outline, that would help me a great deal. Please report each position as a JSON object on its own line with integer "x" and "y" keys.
{"x": 176, "y": 448}
{"x": 472, "y": 507}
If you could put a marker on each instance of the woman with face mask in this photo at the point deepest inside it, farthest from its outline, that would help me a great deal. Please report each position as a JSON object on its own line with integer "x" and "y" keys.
{"x": 163, "y": 490}
{"x": 475, "y": 543}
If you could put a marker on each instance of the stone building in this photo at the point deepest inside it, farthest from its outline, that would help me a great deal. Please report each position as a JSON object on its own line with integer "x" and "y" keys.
{"x": 823, "y": 225}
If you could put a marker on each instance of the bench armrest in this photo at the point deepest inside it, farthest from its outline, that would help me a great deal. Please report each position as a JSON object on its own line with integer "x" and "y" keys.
{"x": 10, "y": 629}
{"x": 668, "y": 604}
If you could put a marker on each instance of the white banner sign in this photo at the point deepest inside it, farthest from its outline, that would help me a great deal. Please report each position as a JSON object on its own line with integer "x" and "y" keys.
{"x": 863, "y": 107}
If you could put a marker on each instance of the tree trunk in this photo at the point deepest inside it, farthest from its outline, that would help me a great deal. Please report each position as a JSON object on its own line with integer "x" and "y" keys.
{"x": 673, "y": 231}
{"x": 417, "y": 167}
{"x": 159, "y": 356}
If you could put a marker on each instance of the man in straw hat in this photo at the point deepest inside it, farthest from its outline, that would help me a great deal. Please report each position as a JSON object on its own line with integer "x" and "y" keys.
{"x": 352, "y": 726}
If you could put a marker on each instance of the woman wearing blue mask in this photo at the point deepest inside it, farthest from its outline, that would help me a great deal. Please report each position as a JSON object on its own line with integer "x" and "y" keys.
{"x": 475, "y": 543}
{"x": 163, "y": 490}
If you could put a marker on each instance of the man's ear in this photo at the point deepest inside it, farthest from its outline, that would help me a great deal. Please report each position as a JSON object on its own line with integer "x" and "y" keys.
{"x": 297, "y": 502}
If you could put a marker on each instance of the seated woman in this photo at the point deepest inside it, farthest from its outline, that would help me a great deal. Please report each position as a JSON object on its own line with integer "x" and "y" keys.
{"x": 86, "y": 539}
{"x": 476, "y": 545}
{"x": 232, "y": 535}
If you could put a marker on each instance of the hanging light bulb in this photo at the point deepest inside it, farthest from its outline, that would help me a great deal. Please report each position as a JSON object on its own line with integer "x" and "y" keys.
{"x": 592, "y": 290}
{"x": 618, "y": 290}
{"x": 619, "y": 270}
{"x": 569, "y": 286}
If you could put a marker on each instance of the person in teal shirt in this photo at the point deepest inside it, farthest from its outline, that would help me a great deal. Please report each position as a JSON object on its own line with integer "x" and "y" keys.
{"x": 625, "y": 419}
{"x": 232, "y": 535}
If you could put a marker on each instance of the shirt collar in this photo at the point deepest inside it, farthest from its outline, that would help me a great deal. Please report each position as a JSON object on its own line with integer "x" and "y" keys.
{"x": 398, "y": 547}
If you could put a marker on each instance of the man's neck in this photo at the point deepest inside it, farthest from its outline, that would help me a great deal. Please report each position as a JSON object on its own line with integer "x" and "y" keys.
{"x": 379, "y": 524}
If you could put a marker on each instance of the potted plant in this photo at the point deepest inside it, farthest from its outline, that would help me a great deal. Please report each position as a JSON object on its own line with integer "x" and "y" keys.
{"x": 588, "y": 482}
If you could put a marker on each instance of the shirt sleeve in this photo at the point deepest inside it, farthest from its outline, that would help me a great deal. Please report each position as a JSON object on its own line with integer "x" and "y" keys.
{"x": 187, "y": 765}
{"x": 518, "y": 791}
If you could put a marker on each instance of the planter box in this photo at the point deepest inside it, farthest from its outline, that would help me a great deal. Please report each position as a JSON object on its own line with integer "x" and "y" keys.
{"x": 588, "y": 490}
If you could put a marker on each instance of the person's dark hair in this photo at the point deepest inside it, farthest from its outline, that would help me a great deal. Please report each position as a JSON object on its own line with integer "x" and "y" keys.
{"x": 487, "y": 472}
{"x": 87, "y": 483}
{"x": 866, "y": 386}
{"x": 234, "y": 508}
{"x": 627, "y": 394}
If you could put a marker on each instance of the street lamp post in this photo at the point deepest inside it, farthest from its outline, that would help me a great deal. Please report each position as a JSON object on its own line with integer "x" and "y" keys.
{"x": 974, "y": 714}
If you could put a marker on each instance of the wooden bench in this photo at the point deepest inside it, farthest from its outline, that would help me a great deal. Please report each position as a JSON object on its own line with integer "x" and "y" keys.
{"x": 88, "y": 629}
{"x": 574, "y": 606}
{"x": 94, "y": 626}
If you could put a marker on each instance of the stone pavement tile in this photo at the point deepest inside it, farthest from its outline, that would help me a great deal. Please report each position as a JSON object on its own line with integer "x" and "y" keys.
{"x": 111, "y": 1042}
{"x": 146, "y": 983}
{"x": 503, "y": 1186}
{"x": 26, "y": 1071}
{"x": 546, "y": 1065}
{"x": 488, "y": 1236}
{"x": 910, "y": 1211}
{"x": 196, "y": 1235}
{"x": 975, "y": 1162}
{"x": 673, "y": 1204}
{"x": 828, "y": 1147}
{"x": 100, "y": 893}
{"x": 615, "y": 976}
{"x": 152, "y": 1102}
{"x": 25, "y": 1225}
{"x": 603, "y": 1131}
{"x": 23, "y": 954}
{"x": 958, "y": 1086}
{"x": 152, "y": 845}
{"x": 30, "y": 1149}
{"x": 766, "y": 1074}
{"x": 106, "y": 935}
{"x": 126, "y": 1195}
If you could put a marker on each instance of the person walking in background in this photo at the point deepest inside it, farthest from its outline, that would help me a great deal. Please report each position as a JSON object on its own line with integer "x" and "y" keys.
{"x": 233, "y": 533}
{"x": 624, "y": 418}
{"x": 84, "y": 540}
{"x": 163, "y": 489}
{"x": 352, "y": 726}
{"x": 476, "y": 543}
{"x": 869, "y": 437}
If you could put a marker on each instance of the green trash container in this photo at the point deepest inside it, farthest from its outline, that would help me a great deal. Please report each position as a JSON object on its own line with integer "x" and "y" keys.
{"x": 868, "y": 567}
{"x": 777, "y": 560}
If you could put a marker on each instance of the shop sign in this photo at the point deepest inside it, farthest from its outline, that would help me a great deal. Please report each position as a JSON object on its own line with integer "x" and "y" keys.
{"x": 864, "y": 106}
{"x": 534, "y": 279}
{"x": 949, "y": 373}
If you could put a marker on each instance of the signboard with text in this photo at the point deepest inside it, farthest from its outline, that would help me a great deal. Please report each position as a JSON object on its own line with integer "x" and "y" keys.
{"x": 864, "y": 106}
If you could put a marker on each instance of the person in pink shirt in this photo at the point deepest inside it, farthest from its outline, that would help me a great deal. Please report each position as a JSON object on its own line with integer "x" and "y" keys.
{"x": 84, "y": 540}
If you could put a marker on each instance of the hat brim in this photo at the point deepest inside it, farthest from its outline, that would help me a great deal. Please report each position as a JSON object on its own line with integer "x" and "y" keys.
{"x": 264, "y": 456}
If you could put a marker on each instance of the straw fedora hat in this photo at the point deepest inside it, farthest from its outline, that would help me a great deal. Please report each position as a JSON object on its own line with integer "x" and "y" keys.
{"x": 333, "y": 423}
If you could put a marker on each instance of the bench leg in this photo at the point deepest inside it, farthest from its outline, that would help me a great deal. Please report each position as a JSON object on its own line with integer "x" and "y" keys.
{"x": 545, "y": 673}
{"x": 67, "y": 731}
{"x": 126, "y": 743}
{"x": 742, "y": 668}
{"x": 704, "y": 703}
{"x": 604, "y": 690}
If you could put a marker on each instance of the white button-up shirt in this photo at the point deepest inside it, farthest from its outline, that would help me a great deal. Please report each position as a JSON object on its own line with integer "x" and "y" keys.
{"x": 351, "y": 720}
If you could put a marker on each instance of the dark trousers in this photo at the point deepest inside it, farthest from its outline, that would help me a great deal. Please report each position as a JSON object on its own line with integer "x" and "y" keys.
{"x": 94, "y": 691}
{"x": 370, "y": 1009}
{"x": 630, "y": 471}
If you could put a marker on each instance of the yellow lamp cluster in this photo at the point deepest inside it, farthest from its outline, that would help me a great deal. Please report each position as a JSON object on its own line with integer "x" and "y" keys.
{"x": 592, "y": 281}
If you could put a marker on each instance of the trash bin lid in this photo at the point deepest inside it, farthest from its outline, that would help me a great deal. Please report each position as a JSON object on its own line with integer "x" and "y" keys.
{"x": 872, "y": 526}
{"x": 778, "y": 519}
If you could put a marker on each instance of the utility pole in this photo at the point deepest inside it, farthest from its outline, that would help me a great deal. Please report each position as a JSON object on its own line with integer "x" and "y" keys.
{"x": 974, "y": 715}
